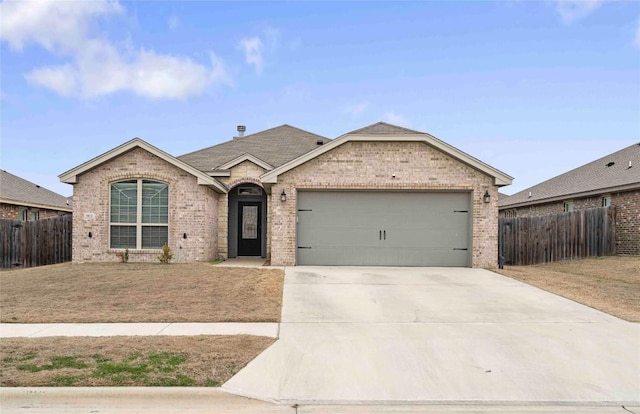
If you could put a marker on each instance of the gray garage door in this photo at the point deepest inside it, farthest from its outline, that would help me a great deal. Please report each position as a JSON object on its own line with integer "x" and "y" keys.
{"x": 383, "y": 229}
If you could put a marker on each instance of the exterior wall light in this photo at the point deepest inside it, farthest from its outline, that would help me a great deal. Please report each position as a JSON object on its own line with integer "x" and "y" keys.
{"x": 487, "y": 197}
{"x": 283, "y": 196}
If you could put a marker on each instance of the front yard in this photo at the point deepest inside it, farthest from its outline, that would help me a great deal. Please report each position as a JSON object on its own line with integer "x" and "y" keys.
{"x": 140, "y": 292}
{"x": 610, "y": 284}
{"x": 134, "y": 292}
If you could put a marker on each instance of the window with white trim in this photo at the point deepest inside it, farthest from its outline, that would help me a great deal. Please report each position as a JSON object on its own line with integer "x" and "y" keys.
{"x": 606, "y": 201}
{"x": 139, "y": 214}
{"x": 569, "y": 206}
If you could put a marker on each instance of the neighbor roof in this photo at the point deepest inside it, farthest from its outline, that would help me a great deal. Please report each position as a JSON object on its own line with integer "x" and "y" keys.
{"x": 607, "y": 174}
{"x": 18, "y": 191}
{"x": 272, "y": 147}
{"x": 383, "y": 132}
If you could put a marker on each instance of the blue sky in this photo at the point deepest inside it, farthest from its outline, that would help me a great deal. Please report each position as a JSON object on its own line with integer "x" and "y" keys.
{"x": 534, "y": 88}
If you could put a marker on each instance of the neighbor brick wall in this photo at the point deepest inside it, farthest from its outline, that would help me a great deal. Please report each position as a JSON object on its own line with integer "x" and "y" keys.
{"x": 370, "y": 165}
{"x": 627, "y": 221}
{"x": 11, "y": 212}
{"x": 193, "y": 209}
{"x": 627, "y": 205}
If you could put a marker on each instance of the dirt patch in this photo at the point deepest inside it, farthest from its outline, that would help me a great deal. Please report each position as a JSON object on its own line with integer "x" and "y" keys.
{"x": 126, "y": 360}
{"x": 140, "y": 292}
{"x": 609, "y": 284}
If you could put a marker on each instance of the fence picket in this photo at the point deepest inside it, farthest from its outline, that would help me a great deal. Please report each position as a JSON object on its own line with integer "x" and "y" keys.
{"x": 565, "y": 236}
{"x": 35, "y": 243}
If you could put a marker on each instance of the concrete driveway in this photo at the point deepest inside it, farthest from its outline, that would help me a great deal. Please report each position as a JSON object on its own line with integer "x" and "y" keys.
{"x": 439, "y": 335}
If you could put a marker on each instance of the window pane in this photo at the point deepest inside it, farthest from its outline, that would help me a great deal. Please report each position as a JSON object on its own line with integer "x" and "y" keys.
{"x": 155, "y": 202}
{"x": 123, "y": 237}
{"x": 249, "y": 222}
{"x": 154, "y": 237}
{"x": 123, "y": 202}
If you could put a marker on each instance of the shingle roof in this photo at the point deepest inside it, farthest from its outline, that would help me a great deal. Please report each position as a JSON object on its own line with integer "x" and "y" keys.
{"x": 23, "y": 192}
{"x": 382, "y": 128}
{"x": 274, "y": 146}
{"x": 610, "y": 172}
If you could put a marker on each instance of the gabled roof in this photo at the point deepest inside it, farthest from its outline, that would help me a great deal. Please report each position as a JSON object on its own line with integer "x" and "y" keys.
{"x": 273, "y": 147}
{"x": 607, "y": 174}
{"x": 382, "y": 128}
{"x": 18, "y": 191}
{"x": 71, "y": 176}
{"x": 383, "y": 132}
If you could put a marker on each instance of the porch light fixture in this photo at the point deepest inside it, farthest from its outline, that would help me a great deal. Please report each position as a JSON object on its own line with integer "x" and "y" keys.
{"x": 487, "y": 197}
{"x": 283, "y": 196}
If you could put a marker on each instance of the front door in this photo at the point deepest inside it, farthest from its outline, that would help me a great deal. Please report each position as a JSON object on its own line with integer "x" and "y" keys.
{"x": 249, "y": 229}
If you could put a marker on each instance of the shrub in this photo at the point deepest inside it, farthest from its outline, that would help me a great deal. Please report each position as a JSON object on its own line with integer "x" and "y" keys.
{"x": 166, "y": 255}
{"x": 124, "y": 256}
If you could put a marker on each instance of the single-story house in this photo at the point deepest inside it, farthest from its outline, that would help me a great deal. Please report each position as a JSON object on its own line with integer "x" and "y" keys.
{"x": 380, "y": 195}
{"x": 613, "y": 180}
{"x": 23, "y": 200}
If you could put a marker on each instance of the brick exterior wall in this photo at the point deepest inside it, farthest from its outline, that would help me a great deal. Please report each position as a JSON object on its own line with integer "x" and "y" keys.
{"x": 12, "y": 212}
{"x": 627, "y": 205}
{"x": 193, "y": 209}
{"x": 370, "y": 165}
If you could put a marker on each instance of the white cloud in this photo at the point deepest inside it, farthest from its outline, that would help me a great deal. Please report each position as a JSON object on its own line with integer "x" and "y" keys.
{"x": 396, "y": 119}
{"x": 253, "y": 49}
{"x": 357, "y": 109}
{"x": 260, "y": 49}
{"x": 173, "y": 22}
{"x": 97, "y": 66}
{"x": 573, "y": 10}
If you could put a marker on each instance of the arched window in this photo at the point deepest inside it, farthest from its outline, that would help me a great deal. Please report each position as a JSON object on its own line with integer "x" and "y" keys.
{"x": 139, "y": 214}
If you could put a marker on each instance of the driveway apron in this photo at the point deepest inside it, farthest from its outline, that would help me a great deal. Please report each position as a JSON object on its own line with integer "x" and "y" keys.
{"x": 439, "y": 335}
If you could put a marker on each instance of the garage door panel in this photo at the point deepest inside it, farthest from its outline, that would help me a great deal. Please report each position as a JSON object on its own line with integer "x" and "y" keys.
{"x": 383, "y": 228}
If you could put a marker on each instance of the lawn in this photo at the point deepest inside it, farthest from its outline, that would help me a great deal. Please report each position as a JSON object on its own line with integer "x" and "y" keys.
{"x": 140, "y": 292}
{"x": 609, "y": 284}
{"x": 125, "y": 360}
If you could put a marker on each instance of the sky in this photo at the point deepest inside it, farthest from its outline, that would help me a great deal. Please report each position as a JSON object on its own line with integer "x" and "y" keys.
{"x": 533, "y": 88}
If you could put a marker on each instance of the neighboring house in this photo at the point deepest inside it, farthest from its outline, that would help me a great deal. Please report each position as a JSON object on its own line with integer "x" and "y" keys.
{"x": 613, "y": 180}
{"x": 380, "y": 195}
{"x": 26, "y": 201}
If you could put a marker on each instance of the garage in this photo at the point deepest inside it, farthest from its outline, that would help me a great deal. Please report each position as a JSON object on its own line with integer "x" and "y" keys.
{"x": 371, "y": 228}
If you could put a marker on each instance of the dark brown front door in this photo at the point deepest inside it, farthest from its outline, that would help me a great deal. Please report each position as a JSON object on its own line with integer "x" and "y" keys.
{"x": 249, "y": 229}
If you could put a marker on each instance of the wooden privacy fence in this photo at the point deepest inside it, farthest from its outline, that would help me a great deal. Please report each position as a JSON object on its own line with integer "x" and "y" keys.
{"x": 35, "y": 243}
{"x": 565, "y": 236}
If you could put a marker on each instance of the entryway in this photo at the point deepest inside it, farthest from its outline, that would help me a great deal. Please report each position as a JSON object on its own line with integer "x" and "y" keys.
{"x": 247, "y": 221}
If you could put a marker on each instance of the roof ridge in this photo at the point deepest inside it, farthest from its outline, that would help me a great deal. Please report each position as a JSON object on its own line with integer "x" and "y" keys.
{"x": 386, "y": 124}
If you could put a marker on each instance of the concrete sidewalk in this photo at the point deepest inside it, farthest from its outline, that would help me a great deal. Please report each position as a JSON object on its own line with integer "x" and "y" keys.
{"x": 39, "y": 330}
{"x": 195, "y": 400}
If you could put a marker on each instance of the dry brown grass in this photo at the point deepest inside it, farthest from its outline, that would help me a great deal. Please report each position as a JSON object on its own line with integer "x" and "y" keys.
{"x": 609, "y": 284}
{"x": 140, "y": 292}
{"x": 126, "y": 360}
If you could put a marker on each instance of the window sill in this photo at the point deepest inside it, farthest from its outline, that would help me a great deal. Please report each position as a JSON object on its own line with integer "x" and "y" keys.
{"x": 136, "y": 251}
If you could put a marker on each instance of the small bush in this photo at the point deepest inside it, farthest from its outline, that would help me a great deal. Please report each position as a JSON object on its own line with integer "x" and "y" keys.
{"x": 123, "y": 256}
{"x": 166, "y": 255}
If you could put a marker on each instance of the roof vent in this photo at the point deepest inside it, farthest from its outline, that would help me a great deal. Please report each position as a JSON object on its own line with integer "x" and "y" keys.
{"x": 241, "y": 129}
{"x": 319, "y": 142}
{"x": 610, "y": 164}
{"x": 629, "y": 165}
{"x": 529, "y": 194}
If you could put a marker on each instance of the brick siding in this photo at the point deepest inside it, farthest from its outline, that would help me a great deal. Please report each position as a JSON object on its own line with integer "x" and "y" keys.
{"x": 193, "y": 210}
{"x": 370, "y": 165}
{"x": 12, "y": 212}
